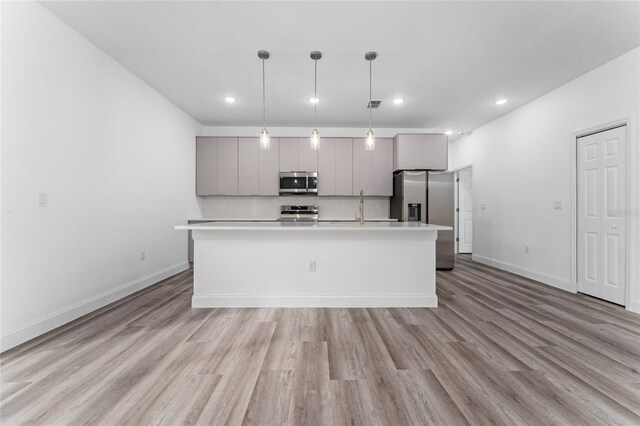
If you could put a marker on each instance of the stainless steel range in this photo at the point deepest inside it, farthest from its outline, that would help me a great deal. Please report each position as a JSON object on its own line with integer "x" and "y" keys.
{"x": 298, "y": 213}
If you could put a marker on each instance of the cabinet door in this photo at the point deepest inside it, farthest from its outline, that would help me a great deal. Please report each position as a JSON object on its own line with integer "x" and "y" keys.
{"x": 362, "y": 168}
{"x": 227, "y": 166}
{"x": 289, "y": 154}
{"x": 248, "y": 166}
{"x": 206, "y": 166}
{"x": 268, "y": 179}
{"x": 383, "y": 168}
{"x": 408, "y": 152}
{"x": 327, "y": 167}
{"x": 307, "y": 157}
{"x": 435, "y": 152}
{"x": 344, "y": 166}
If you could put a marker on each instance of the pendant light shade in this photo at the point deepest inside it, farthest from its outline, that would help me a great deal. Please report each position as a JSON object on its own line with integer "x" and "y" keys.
{"x": 370, "y": 141}
{"x": 315, "y": 134}
{"x": 265, "y": 140}
{"x": 315, "y": 139}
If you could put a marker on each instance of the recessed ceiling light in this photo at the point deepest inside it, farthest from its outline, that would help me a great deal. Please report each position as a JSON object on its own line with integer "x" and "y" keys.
{"x": 448, "y": 132}
{"x": 500, "y": 102}
{"x": 229, "y": 99}
{"x": 398, "y": 101}
{"x": 314, "y": 100}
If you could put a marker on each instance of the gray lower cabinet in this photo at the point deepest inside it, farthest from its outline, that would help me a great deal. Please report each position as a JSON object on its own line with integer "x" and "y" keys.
{"x": 216, "y": 166}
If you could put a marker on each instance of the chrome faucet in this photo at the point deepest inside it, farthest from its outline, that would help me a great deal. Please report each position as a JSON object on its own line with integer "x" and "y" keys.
{"x": 360, "y": 214}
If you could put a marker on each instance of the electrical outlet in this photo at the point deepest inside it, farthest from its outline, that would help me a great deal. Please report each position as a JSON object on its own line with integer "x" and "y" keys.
{"x": 143, "y": 255}
{"x": 42, "y": 199}
{"x": 557, "y": 205}
{"x": 312, "y": 266}
{"x": 483, "y": 206}
{"x": 526, "y": 249}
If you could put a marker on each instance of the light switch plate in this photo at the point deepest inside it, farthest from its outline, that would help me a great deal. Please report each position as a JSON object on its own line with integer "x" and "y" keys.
{"x": 483, "y": 206}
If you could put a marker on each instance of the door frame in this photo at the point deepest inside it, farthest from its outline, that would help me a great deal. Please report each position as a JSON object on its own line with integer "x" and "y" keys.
{"x": 457, "y": 206}
{"x": 456, "y": 226}
{"x": 574, "y": 196}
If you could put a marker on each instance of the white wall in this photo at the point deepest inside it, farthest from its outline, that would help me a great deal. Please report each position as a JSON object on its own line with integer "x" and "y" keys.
{"x": 116, "y": 159}
{"x": 522, "y": 164}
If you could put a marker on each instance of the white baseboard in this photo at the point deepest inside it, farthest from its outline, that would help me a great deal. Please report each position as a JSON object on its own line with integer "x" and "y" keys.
{"x": 47, "y": 323}
{"x": 634, "y": 306}
{"x": 543, "y": 277}
{"x": 320, "y": 301}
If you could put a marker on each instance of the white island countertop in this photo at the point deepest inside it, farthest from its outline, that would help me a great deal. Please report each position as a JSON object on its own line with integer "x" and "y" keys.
{"x": 313, "y": 226}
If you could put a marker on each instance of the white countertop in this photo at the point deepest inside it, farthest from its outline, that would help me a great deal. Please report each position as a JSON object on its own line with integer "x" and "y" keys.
{"x": 229, "y": 219}
{"x": 312, "y": 226}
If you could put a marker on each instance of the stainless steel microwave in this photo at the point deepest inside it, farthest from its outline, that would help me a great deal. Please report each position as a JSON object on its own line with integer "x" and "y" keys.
{"x": 298, "y": 183}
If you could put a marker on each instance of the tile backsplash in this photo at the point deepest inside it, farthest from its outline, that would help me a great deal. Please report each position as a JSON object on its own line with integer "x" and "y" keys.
{"x": 265, "y": 208}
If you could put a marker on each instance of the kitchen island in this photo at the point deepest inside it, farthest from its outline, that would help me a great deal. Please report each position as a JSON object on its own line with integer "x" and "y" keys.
{"x": 326, "y": 264}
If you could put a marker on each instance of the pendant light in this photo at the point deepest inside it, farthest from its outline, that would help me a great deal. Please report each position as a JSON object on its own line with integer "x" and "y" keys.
{"x": 370, "y": 141}
{"x": 315, "y": 135}
{"x": 265, "y": 141}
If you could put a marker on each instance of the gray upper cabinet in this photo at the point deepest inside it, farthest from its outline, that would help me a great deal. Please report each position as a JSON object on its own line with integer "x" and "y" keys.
{"x": 344, "y": 166}
{"x": 249, "y": 166}
{"x": 420, "y": 152}
{"x": 335, "y": 166}
{"x": 237, "y": 166}
{"x": 257, "y": 168}
{"x": 268, "y": 183}
{"x": 296, "y": 155}
{"x": 227, "y": 166}
{"x": 373, "y": 170}
{"x": 206, "y": 166}
{"x": 327, "y": 167}
{"x": 307, "y": 157}
{"x": 362, "y": 168}
{"x": 383, "y": 167}
{"x": 288, "y": 154}
{"x": 216, "y": 166}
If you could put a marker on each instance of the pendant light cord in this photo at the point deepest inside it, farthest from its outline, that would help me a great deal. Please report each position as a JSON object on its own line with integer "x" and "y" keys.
{"x": 315, "y": 90}
{"x": 264, "y": 103}
{"x": 370, "y": 65}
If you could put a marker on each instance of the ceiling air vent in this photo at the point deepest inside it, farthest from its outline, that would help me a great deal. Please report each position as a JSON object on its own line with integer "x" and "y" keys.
{"x": 374, "y": 104}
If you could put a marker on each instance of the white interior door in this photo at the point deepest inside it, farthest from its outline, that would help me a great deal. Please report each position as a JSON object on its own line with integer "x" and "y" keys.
{"x": 465, "y": 211}
{"x": 601, "y": 209}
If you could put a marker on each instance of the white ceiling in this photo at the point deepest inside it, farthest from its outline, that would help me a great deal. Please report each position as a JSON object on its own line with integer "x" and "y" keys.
{"x": 449, "y": 60}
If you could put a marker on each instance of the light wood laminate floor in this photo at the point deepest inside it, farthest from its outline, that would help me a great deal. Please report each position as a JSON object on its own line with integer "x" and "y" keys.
{"x": 500, "y": 349}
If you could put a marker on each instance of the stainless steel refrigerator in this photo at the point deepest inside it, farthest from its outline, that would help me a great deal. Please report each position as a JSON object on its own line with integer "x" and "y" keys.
{"x": 427, "y": 197}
